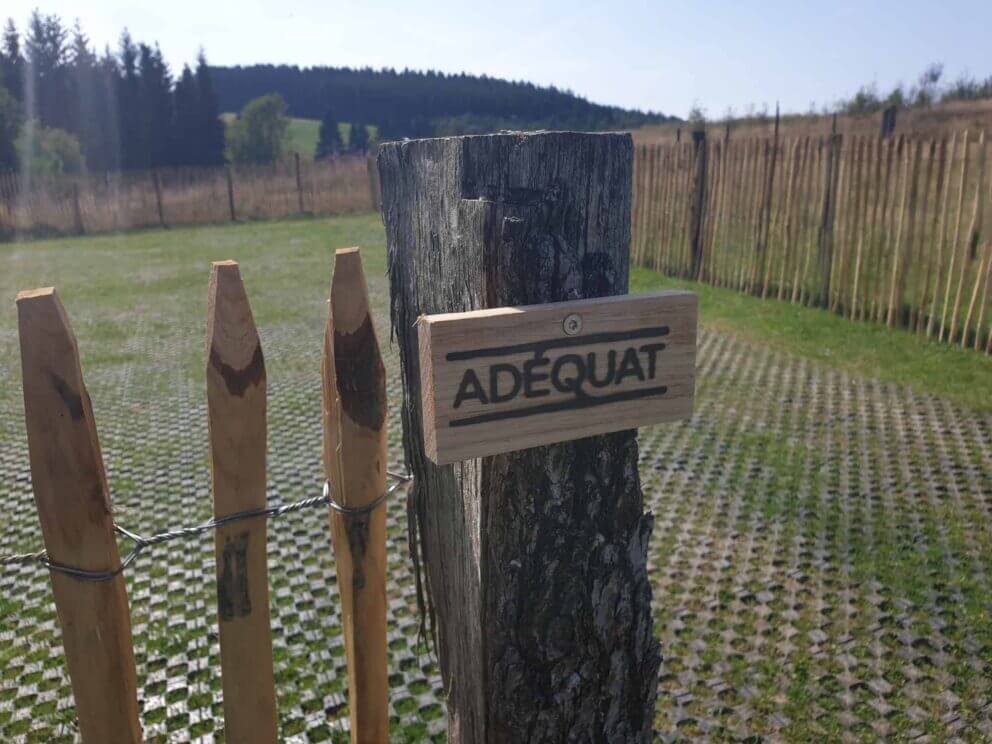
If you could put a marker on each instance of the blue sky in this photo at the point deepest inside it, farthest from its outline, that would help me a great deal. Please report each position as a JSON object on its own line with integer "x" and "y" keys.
{"x": 655, "y": 55}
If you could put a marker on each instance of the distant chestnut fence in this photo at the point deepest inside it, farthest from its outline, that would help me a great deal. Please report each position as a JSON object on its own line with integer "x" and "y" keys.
{"x": 102, "y": 202}
{"x": 895, "y": 231}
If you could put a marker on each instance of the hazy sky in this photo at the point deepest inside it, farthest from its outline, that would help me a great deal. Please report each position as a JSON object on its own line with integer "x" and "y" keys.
{"x": 653, "y": 55}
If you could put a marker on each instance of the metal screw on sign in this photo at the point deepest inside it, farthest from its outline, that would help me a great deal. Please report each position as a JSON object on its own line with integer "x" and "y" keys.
{"x": 572, "y": 324}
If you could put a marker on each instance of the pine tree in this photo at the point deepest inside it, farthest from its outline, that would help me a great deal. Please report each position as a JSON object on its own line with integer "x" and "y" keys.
{"x": 186, "y": 147}
{"x": 92, "y": 105}
{"x": 210, "y": 134}
{"x": 10, "y": 124}
{"x": 329, "y": 142}
{"x": 133, "y": 142}
{"x": 108, "y": 113}
{"x": 155, "y": 96}
{"x": 358, "y": 139}
{"x": 46, "y": 52}
{"x": 12, "y": 61}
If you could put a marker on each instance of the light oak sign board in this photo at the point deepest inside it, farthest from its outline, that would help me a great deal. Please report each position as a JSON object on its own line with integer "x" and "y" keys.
{"x": 499, "y": 380}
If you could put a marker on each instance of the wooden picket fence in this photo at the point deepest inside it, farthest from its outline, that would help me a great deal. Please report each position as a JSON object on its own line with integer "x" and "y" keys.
{"x": 72, "y": 496}
{"x": 95, "y": 203}
{"x": 894, "y": 231}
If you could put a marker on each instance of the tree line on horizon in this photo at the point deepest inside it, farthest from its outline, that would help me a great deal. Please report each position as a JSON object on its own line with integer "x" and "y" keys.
{"x": 413, "y": 103}
{"x": 64, "y": 108}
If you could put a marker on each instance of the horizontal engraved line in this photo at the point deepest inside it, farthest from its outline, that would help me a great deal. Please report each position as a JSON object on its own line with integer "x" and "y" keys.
{"x": 558, "y": 343}
{"x": 565, "y": 405}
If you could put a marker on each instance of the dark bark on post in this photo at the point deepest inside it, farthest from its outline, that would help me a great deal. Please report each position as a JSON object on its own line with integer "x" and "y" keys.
{"x": 230, "y": 192}
{"x": 535, "y": 560}
{"x": 697, "y": 217}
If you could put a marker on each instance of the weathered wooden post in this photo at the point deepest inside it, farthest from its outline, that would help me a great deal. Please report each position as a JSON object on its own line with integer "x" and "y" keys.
{"x": 157, "y": 184}
{"x": 697, "y": 217}
{"x": 825, "y": 234}
{"x": 373, "y": 172}
{"x": 536, "y": 559}
{"x": 299, "y": 183}
{"x": 230, "y": 192}
{"x": 77, "y": 212}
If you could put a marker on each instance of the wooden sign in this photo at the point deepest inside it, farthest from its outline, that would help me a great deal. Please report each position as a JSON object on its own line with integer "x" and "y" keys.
{"x": 509, "y": 378}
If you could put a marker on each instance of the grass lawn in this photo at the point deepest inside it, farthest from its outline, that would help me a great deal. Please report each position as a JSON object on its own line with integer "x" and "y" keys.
{"x": 106, "y": 281}
{"x": 302, "y": 137}
{"x": 821, "y": 560}
{"x": 866, "y": 349}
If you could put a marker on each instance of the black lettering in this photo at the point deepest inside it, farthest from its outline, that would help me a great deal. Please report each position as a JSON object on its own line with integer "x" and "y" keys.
{"x": 631, "y": 365}
{"x": 611, "y": 369}
{"x": 495, "y": 396}
{"x": 470, "y": 388}
{"x": 569, "y": 384}
{"x": 652, "y": 351}
{"x": 531, "y": 377}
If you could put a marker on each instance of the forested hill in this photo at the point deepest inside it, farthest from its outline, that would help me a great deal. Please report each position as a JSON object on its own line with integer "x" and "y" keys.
{"x": 417, "y": 104}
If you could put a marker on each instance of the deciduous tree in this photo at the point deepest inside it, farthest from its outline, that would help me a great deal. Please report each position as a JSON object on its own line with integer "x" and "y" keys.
{"x": 259, "y": 133}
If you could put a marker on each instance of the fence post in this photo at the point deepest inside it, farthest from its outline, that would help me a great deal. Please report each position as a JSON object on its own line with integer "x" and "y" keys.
{"x": 236, "y": 420}
{"x": 825, "y": 235}
{"x": 698, "y": 214}
{"x": 70, "y": 491}
{"x": 766, "y": 211}
{"x": 158, "y": 198}
{"x": 230, "y": 192}
{"x": 536, "y": 559}
{"x": 354, "y": 416}
{"x": 77, "y": 212}
{"x": 299, "y": 182}
{"x": 374, "y": 193}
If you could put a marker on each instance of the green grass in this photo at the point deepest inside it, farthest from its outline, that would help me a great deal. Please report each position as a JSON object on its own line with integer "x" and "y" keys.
{"x": 867, "y": 349}
{"x": 122, "y": 276}
{"x": 175, "y": 263}
{"x": 303, "y": 134}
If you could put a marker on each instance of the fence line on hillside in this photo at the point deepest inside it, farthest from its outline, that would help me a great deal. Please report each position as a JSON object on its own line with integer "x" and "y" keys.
{"x": 895, "y": 231}
{"x": 103, "y": 202}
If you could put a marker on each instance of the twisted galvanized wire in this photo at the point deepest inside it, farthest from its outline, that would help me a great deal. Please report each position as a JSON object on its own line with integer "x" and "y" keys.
{"x": 142, "y": 541}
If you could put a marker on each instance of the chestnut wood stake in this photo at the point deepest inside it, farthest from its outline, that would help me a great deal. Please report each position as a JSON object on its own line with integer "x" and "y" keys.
{"x": 236, "y": 420}
{"x": 354, "y": 415}
{"x": 70, "y": 491}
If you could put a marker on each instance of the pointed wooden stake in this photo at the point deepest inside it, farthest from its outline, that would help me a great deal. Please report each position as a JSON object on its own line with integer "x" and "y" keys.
{"x": 354, "y": 414}
{"x": 236, "y": 417}
{"x": 70, "y": 491}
